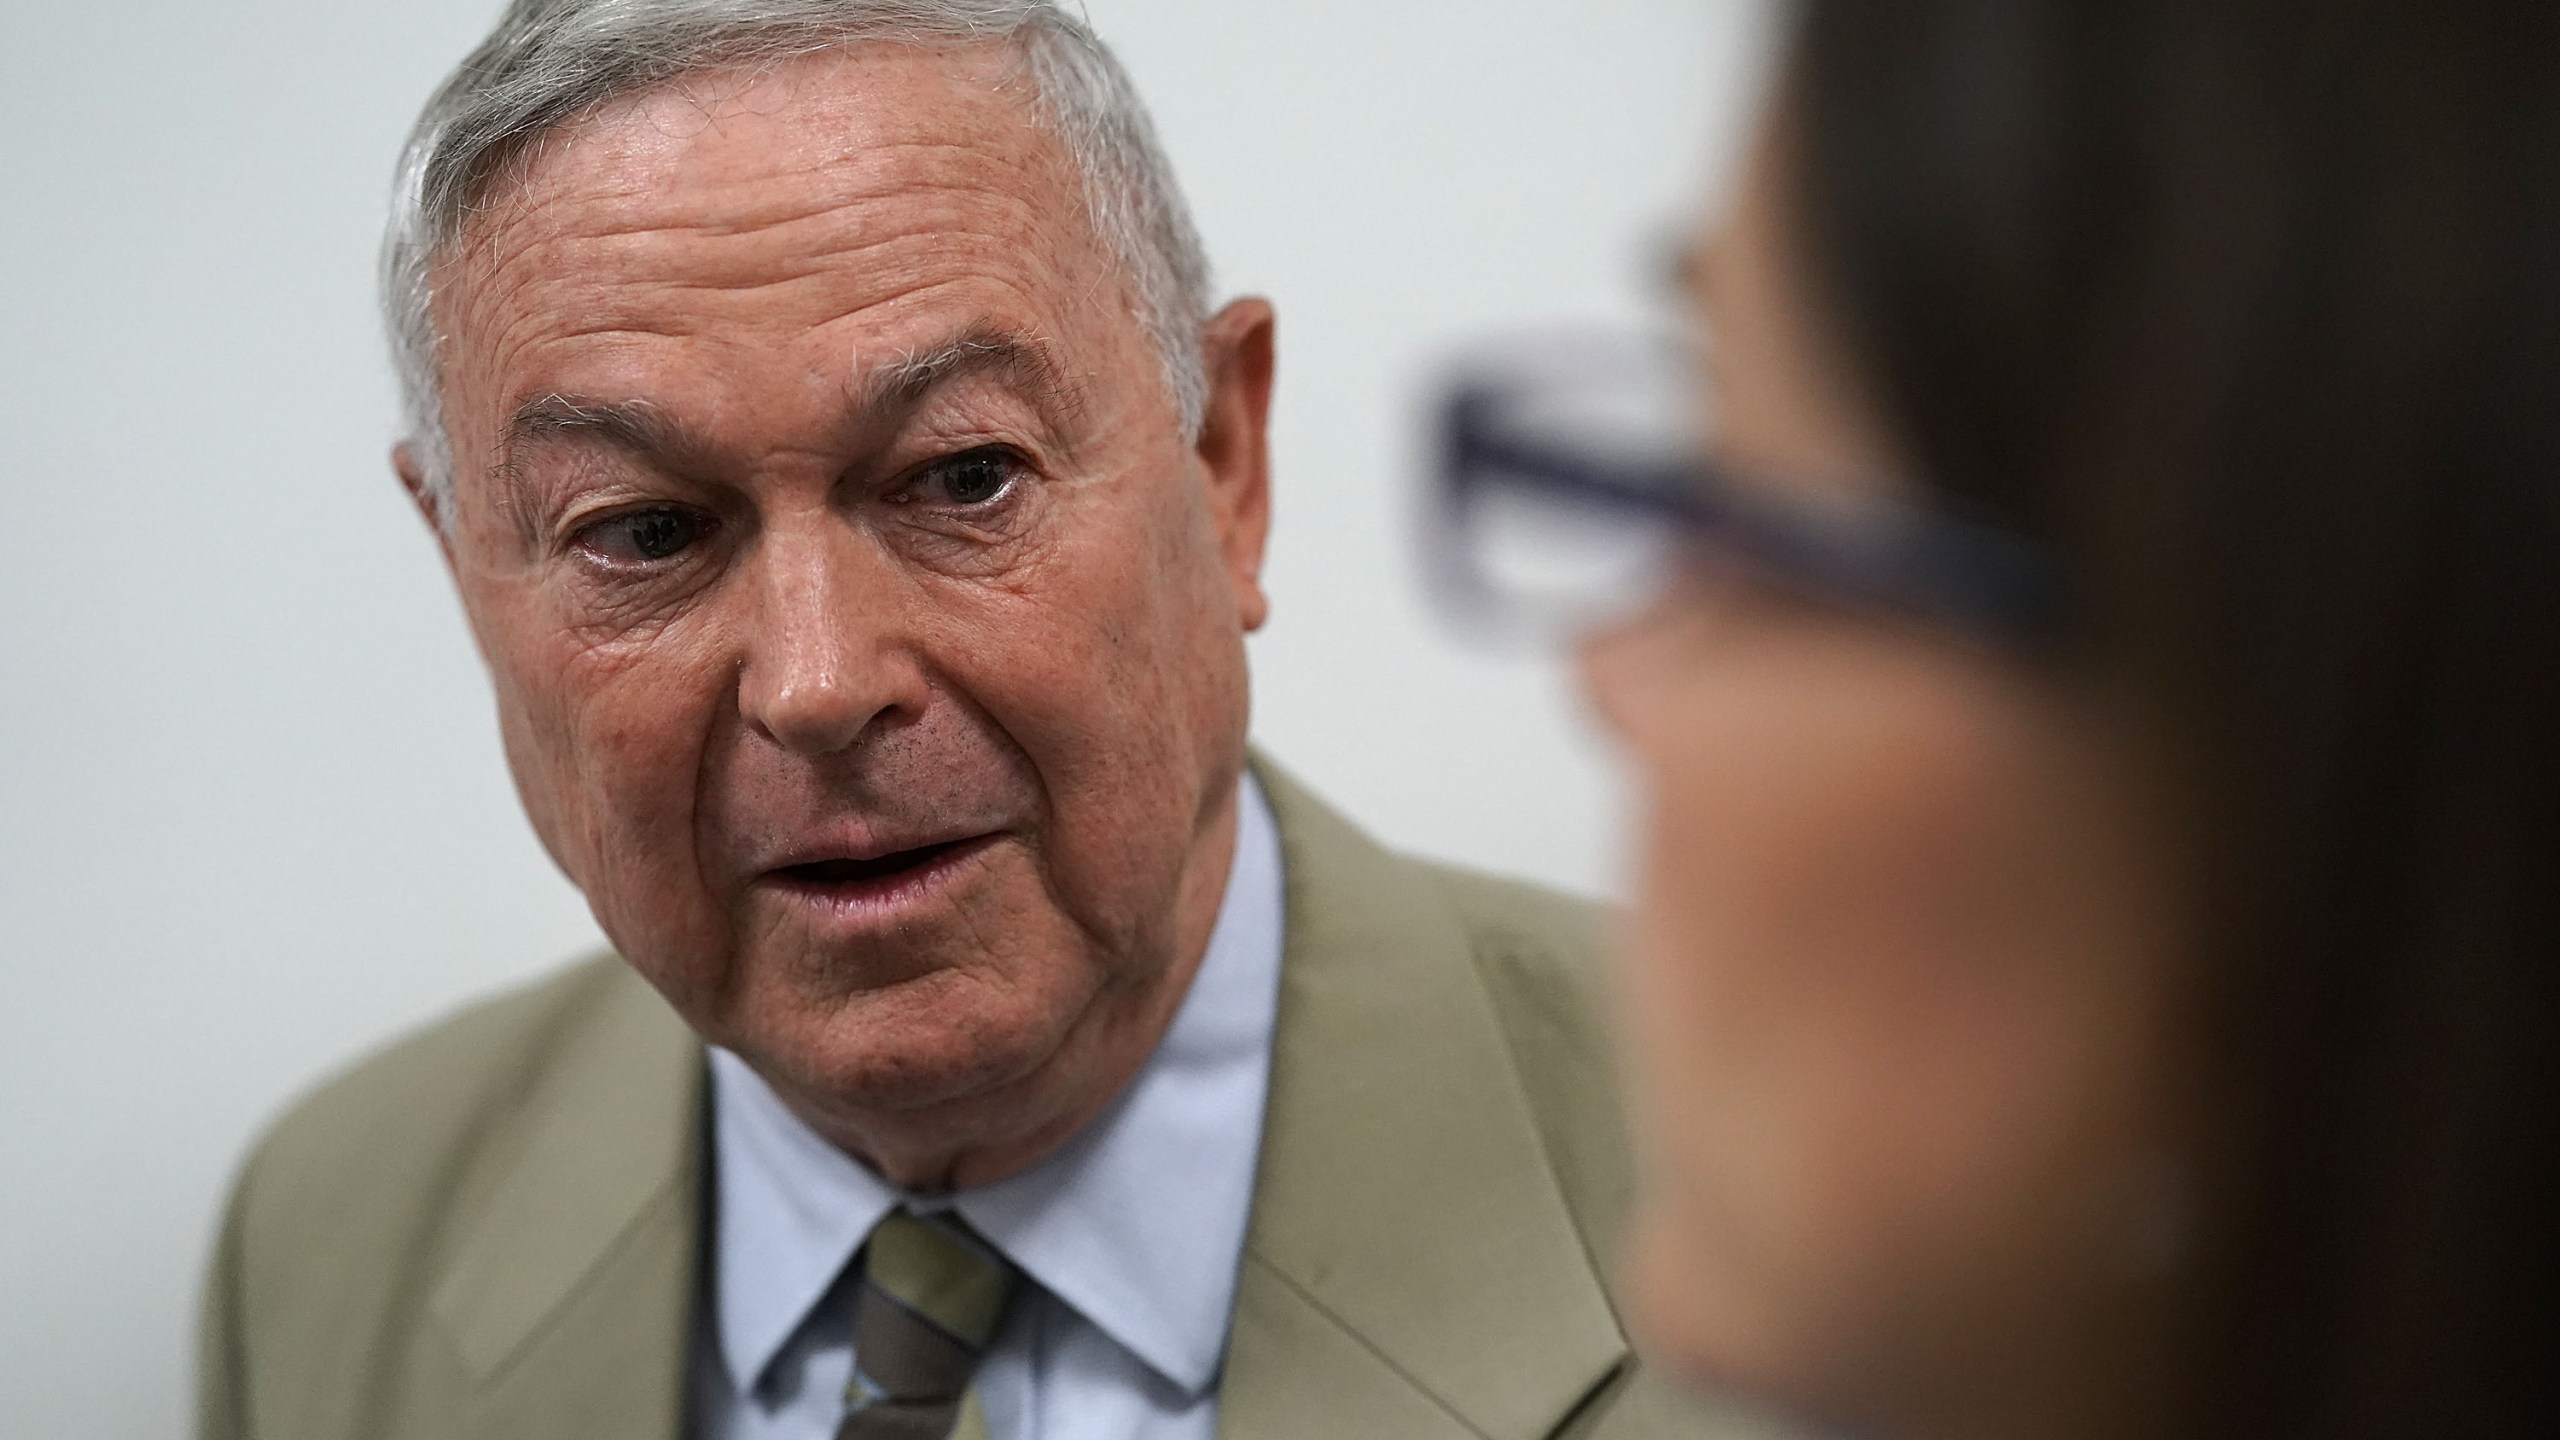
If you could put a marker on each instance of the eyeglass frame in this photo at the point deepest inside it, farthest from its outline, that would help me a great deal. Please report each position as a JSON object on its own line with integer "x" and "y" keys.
{"x": 1981, "y": 580}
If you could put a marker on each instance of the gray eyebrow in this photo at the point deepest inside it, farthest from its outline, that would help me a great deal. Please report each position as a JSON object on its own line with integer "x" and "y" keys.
{"x": 634, "y": 424}
{"x": 1016, "y": 357}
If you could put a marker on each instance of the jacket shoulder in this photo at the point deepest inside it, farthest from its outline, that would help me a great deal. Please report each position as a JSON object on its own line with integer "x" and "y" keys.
{"x": 419, "y": 1101}
{"x": 1539, "y": 954}
{"x": 1540, "y": 949}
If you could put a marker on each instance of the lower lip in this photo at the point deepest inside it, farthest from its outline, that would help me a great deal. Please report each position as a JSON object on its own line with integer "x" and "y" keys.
{"x": 888, "y": 897}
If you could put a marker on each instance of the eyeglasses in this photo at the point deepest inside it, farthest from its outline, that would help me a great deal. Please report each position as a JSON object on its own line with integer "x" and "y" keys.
{"x": 1574, "y": 483}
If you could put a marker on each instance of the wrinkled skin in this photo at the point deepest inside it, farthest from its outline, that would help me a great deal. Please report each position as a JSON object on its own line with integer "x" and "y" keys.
{"x": 819, "y": 498}
{"x": 1904, "y": 984}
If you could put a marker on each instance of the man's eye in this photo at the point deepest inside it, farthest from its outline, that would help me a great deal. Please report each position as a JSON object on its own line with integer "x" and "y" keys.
{"x": 971, "y": 478}
{"x": 645, "y": 535}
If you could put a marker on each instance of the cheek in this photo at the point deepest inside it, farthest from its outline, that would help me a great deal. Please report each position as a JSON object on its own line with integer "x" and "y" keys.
{"x": 606, "y": 740}
{"x": 1119, "y": 669}
{"x": 1867, "y": 1011}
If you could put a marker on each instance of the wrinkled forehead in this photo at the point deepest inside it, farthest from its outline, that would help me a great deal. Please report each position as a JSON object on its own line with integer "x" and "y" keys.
{"x": 887, "y": 160}
{"x": 762, "y": 117}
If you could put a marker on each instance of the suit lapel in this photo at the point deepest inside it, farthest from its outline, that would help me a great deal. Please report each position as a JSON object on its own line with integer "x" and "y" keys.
{"x": 568, "y": 1293}
{"x": 1411, "y": 1268}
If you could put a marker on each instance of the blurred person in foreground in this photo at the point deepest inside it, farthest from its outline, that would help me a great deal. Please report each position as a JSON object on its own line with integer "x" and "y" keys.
{"x": 861, "y": 513}
{"x": 2095, "y": 963}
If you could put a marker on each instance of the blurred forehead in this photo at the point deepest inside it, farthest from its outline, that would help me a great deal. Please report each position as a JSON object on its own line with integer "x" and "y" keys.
{"x": 779, "y": 197}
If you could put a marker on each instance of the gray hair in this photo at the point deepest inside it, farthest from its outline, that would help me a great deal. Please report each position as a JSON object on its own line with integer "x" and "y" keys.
{"x": 549, "y": 61}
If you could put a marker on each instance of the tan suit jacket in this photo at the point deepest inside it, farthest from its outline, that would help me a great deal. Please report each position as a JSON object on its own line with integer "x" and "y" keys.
{"x": 491, "y": 1232}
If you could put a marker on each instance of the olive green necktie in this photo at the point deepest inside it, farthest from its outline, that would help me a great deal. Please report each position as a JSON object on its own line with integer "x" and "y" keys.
{"x": 932, "y": 1297}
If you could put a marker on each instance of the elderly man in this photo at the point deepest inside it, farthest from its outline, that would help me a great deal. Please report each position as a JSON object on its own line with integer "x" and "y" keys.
{"x": 861, "y": 518}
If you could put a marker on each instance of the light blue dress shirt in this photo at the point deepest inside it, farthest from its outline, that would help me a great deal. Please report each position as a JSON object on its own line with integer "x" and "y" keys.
{"x": 1129, "y": 1236}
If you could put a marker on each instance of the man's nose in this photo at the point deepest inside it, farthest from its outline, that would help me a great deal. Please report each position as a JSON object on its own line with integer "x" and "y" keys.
{"x": 825, "y": 658}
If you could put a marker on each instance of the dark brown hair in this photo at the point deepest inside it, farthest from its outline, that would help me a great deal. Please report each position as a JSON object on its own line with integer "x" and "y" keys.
{"x": 2250, "y": 310}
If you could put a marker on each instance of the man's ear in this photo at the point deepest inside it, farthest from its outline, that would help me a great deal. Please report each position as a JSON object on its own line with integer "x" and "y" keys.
{"x": 1239, "y": 350}
{"x": 413, "y": 478}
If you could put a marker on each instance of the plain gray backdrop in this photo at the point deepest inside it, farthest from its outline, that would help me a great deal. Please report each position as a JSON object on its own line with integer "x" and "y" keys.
{"x": 253, "y": 817}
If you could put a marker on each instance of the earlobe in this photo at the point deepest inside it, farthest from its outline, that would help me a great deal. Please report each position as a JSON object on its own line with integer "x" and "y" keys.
{"x": 1240, "y": 349}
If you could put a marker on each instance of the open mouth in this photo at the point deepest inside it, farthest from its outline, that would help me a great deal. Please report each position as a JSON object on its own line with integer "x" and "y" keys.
{"x": 879, "y": 873}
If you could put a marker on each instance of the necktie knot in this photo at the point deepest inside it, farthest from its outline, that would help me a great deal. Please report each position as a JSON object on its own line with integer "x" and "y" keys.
{"x": 933, "y": 1295}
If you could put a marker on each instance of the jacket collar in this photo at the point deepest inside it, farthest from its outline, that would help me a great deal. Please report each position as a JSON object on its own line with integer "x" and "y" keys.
{"x": 1410, "y": 1252}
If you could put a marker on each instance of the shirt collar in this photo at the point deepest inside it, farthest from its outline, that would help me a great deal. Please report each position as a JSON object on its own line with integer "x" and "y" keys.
{"x": 1137, "y": 1223}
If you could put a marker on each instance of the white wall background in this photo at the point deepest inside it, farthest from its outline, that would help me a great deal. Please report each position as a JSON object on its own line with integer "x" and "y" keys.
{"x": 253, "y": 817}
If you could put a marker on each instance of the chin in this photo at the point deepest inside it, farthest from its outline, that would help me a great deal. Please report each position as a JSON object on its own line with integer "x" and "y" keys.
{"x": 1695, "y": 1317}
{"x": 1667, "y": 1296}
{"x": 937, "y": 1041}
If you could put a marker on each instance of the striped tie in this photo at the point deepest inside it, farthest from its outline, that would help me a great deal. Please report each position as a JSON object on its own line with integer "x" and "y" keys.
{"x": 932, "y": 1296}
